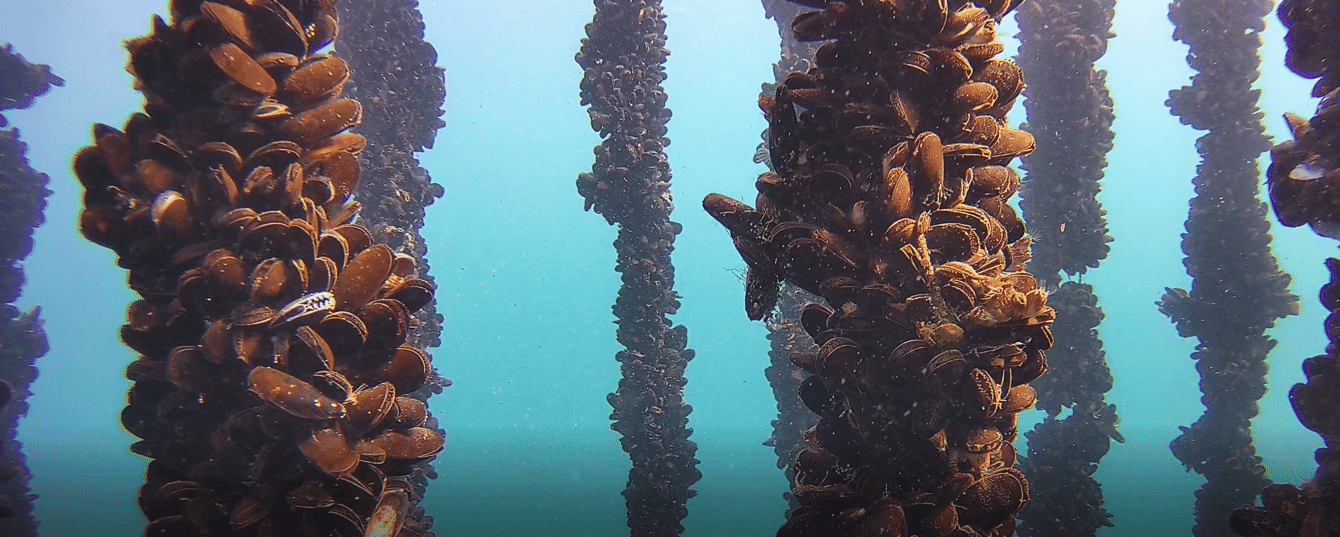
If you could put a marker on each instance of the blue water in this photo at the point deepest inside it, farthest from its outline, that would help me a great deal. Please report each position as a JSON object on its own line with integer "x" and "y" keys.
{"x": 526, "y": 278}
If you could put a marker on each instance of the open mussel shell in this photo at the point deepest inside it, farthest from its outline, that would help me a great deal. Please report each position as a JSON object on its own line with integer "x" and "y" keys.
{"x": 231, "y": 21}
{"x": 952, "y": 242}
{"x": 310, "y": 495}
{"x": 155, "y": 177}
{"x": 814, "y": 319}
{"x": 312, "y": 353}
{"x": 190, "y": 369}
{"x": 388, "y": 324}
{"x": 1019, "y": 399}
{"x": 926, "y": 518}
{"x": 403, "y": 266}
{"x": 323, "y": 31}
{"x": 1005, "y": 75}
{"x": 371, "y": 453}
{"x": 347, "y": 142}
{"x": 408, "y": 369}
{"x": 415, "y": 294}
{"x": 838, "y": 356}
{"x": 357, "y": 237}
{"x": 334, "y": 247}
{"x": 281, "y": 30}
{"x": 321, "y": 274}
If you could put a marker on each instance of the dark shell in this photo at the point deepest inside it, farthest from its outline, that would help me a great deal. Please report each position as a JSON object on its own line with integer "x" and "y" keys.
{"x": 387, "y": 322}
{"x": 321, "y": 122}
{"x": 292, "y": 395}
{"x": 344, "y": 332}
{"x": 389, "y": 516}
{"x": 362, "y": 277}
{"x": 368, "y": 407}
{"x": 330, "y": 450}
{"x": 314, "y": 81}
{"x": 239, "y": 66}
{"x": 414, "y": 443}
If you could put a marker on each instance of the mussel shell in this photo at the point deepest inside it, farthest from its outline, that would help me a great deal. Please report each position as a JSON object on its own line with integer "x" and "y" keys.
{"x": 239, "y": 67}
{"x": 344, "y": 332}
{"x": 388, "y": 518}
{"x": 321, "y": 122}
{"x": 409, "y": 412}
{"x": 292, "y": 395}
{"x": 414, "y": 443}
{"x": 368, "y": 407}
{"x": 362, "y": 277}
{"x": 315, "y": 80}
{"x": 330, "y": 450}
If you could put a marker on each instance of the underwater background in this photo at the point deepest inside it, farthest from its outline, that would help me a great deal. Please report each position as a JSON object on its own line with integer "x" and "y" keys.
{"x": 525, "y": 278}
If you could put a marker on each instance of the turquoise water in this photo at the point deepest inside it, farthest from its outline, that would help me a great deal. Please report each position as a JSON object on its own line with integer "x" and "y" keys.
{"x": 526, "y": 278}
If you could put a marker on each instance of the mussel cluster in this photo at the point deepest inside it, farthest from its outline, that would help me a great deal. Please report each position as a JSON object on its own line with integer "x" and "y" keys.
{"x": 785, "y": 335}
{"x": 889, "y": 202}
{"x": 1062, "y": 457}
{"x": 22, "y": 342}
{"x": 1304, "y": 174}
{"x": 1313, "y": 510}
{"x": 23, "y": 81}
{"x": 1302, "y": 178}
{"x": 1238, "y": 290}
{"x": 398, "y": 81}
{"x": 271, "y": 328}
{"x": 623, "y": 64}
{"x": 23, "y": 198}
{"x": 1071, "y": 111}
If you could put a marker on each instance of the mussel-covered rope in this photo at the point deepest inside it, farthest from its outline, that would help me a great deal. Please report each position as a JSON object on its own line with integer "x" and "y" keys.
{"x": 1070, "y": 112}
{"x": 1303, "y": 176}
{"x": 623, "y": 63}
{"x": 1237, "y": 290}
{"x": 272, "y": 328}
{"x": 888, "y": 199}
{"x": 22, "y": 339}
{"x": 402, "y": 89}
{"x": 396, "y": 77}
{"x": 785, "y": 335}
